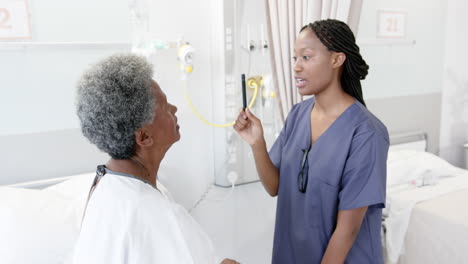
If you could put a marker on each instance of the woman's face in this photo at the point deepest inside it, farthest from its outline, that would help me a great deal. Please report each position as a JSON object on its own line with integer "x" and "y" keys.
{"x": 312, "y": 64}
{"x": 164, "y": 126}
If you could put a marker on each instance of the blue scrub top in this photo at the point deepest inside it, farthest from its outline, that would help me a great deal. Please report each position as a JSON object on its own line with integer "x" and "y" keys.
{"x": 346, "y": 169}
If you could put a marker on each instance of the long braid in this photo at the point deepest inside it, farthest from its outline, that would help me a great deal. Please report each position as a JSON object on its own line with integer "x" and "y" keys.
{"x": 338, "y": 37}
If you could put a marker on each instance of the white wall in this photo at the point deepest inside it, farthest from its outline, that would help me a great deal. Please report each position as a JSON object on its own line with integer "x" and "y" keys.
{"x": 37, "y": 82}
{"x": 454, "y": 123}
{"x": 85, "y": 20}
{"x": 404, "y": 70}
{"x": 405, "y": 74}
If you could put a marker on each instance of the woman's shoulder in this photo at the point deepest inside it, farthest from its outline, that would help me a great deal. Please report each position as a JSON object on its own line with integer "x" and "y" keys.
{"x": 367, "y": 123}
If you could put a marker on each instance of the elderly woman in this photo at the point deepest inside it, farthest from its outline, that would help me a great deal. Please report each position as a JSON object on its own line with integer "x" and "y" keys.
{"x": 129, "y": 217}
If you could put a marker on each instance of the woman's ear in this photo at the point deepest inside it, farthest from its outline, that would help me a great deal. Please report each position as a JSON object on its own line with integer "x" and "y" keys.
{"x": 143, "y": 138}
{"x": 338, "y": 59}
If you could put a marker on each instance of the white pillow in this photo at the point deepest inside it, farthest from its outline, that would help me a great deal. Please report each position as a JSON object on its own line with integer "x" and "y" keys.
{"x": 40, "y": 226}
{"x": 405, "y": 166}
{"x": 76, "y": 187}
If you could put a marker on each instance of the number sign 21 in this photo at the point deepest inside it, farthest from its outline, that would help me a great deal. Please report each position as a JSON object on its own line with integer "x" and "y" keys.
{"x": 391, "y": 24}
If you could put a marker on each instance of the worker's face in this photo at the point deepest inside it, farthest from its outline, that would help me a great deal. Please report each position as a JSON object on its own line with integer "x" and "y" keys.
{"x": 313, "y": 64}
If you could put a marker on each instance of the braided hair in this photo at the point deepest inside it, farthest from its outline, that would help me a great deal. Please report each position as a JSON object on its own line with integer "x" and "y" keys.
{"x": 338, "y": 37}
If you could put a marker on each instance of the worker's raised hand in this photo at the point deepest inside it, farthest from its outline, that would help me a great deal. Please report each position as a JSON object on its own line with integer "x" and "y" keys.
{"x": 249, "y": 127}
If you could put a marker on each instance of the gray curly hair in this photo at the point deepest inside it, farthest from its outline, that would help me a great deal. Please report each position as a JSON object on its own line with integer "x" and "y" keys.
{"x": 114, "y": 99}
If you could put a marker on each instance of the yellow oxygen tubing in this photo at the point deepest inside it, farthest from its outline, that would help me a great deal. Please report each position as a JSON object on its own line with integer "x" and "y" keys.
{"x": 194, "y": 110}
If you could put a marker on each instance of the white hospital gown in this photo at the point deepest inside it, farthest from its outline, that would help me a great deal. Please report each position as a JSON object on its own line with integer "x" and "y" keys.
{"x": 128, "y": 221}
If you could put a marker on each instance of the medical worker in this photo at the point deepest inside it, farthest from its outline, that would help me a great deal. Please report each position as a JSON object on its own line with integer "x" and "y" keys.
{"x": 328, "y": 165}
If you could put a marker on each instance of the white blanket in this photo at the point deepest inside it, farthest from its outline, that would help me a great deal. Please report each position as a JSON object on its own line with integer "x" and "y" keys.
{"x": 401, "y": 202}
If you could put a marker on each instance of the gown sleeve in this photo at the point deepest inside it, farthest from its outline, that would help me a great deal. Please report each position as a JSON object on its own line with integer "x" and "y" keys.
{"x": 365, "y": 172}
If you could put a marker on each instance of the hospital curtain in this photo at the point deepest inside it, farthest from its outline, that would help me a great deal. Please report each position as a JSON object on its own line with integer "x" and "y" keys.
{"x": 454, "y": 115}
{"x": 284, "y": 19}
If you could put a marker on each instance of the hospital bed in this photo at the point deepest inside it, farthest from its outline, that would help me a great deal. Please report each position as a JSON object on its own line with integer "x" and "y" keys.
{"x": 426, "y": 219}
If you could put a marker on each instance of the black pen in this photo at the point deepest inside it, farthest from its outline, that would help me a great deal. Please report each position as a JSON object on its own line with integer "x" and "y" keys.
{"x": 244, "y": 92}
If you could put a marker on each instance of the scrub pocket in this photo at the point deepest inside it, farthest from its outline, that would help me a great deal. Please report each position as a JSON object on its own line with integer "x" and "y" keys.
{"x": 322, "y": 204}
{"x": 329, "y": 207}
{"x": 318, "y": 199}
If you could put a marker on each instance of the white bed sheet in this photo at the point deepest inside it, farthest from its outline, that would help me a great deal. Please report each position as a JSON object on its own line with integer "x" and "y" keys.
{"x": 414, "y": 177}
{"x": 438, "y": 231}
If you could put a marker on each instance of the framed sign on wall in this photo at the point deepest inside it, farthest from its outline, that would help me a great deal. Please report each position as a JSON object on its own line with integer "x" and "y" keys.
{"x": 14, "y": 19}
{"x": 391, "y": 24}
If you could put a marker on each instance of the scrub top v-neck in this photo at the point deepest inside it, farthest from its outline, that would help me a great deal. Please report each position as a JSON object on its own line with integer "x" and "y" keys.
{"x": 346, "y": 169}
